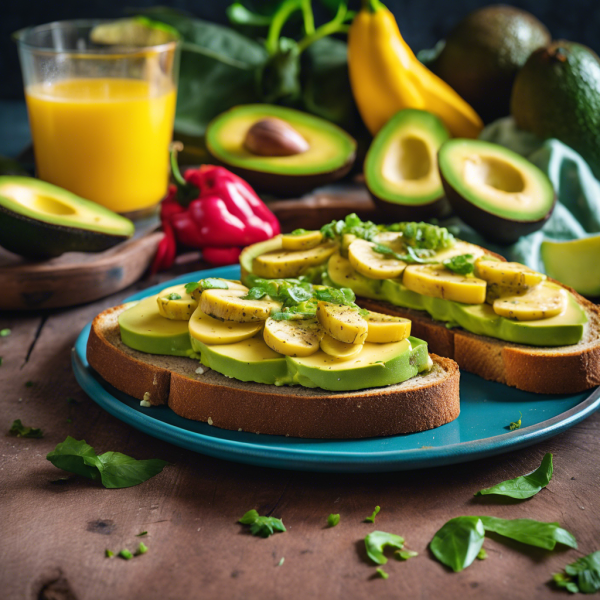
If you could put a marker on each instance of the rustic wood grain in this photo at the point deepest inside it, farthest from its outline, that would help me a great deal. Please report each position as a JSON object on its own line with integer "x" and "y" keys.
{"x": 53, "y": 536}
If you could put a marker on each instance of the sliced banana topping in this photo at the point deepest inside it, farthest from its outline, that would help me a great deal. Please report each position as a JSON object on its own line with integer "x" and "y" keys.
{"x": 384, "y": 328}
{"x": 231, "y": 285}
{"x": 285, "y": 263}
{"x": 301, "y": 241}
{"x": 176, "y": 304}
{"x": 214, "y": 331}
{"x": 507, "y": 273}
{"x": 372, "y": 264}
{"x": 339, "y": 349}
{"x": 342, "y": 323}
{"x": 541, "y": 302}
{"x": 293, "y": 338}
{"x": 230, "y": 305}
{"x": 438, "y": 282}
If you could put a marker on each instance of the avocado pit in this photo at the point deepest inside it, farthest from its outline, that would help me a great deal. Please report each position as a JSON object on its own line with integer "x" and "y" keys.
{"x": 274, "y": 137}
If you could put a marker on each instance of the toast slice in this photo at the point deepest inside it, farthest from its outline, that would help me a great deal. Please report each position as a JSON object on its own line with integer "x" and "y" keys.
{"x": 556, "y": 370}
{"x": 195, "y": 392}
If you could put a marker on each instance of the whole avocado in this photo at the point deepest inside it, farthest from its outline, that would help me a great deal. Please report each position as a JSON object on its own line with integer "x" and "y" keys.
{"x": 557, "y": 94}
{"x": 483, "y": 53}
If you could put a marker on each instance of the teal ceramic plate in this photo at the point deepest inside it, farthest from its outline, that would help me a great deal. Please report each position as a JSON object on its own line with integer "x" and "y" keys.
{"x": 481, "y": 430}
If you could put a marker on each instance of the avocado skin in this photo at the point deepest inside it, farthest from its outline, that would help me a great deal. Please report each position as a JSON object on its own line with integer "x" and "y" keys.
{"x": 557, "y": 94}
{"x": 483, "y": 54}
{"x": 36, "y": 239}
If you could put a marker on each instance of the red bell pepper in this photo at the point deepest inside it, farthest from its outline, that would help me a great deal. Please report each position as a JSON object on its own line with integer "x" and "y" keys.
{"x": 214, "y": 210}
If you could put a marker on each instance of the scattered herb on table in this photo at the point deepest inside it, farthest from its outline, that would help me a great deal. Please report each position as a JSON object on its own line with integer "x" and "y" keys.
{"x": 524, "y": 486}
{"x": 377, "y": 541}
{"x": 262, "y": 526}
{"x": 5, "y": 332}
{"x": 371, "y": 519}
{"x": 141, "y": 534}
{"x": 1, "y": 359}
{"x": 72, "y": 401}
{"x": 458, "y": 542}
{"x": 29, "y": 384}
{"x": 20, "y": 430}
{"x": 482, "y": 554}
{"x": 583, "y": 575}
{"x": 126, "y": 554}
{"x": 115, "y": 470}
{"x": 281, "y": 561}
{"x": 333, "y": 520}
{"x": 463, "y": 264}
{"x": 382, "y": 573}
{"x": 405, "y": 554}
{"x": 109, "y": 553}
{"x": 142, "y": 549}
{"x": 516, "y": 424}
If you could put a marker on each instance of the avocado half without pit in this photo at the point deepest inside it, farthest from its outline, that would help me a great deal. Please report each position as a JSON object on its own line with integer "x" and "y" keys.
{"x": 280, "y": 150}
{"x": 495, "y": 190}
{"x": 41, "y": 220}
{"x": 401, "y": 170}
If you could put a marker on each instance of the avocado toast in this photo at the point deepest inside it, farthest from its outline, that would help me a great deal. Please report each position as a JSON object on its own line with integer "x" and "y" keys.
{"x": 499, "y": 320}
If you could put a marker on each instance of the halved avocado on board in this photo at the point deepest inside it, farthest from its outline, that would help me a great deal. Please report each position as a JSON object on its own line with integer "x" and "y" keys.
{"x": 495, "y": 190}
{"x": 40, "y": 220}
{"x": 327, "y": 154}
{"x": 401, "y": 171}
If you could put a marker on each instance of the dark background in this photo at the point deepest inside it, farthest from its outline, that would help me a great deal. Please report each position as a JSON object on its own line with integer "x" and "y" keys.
{"x": 422, "y": 22}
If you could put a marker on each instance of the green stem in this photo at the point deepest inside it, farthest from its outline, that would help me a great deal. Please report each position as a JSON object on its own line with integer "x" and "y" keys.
{"x": 372, "y": 5}
{"x": 279, "y": 20}
{"x": 186, "y": 192}
{"x": 309, "y": 18}
{"x": 336, "y": 25}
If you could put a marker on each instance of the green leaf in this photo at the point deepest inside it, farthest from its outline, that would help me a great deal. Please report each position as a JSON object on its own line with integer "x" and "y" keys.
{"x": 463, "y": 264}
{"x": 405, "y": 554}
{"x": 381, "y": 573}
{"x": 333, "y": 520}
{"x": 262, "y": 526}
{"x": 524, "y": 486}
{"x": 249, "y": 517}
{"x": 377, "y": 541}
{"x": 76, "y": 457}
{"x": 142, "y": 549}
{"x": 424, "y": 235}
{"x": 564, "y": 581}
{"x": 413, "y": 255}
{"x": 238, "y": 14}
{"x": 126, "y": 554}
{"x": 213, "y": 283}
{"x": 120, "y": 471}
{"x": 109, "y": 553}
{"x": 173, "y": 296}
{"x": 516, "y": 424}
{"x": 458, "y": 542}
{"x": 191, "y": 286}
{"x": 20, "y": 430}
{"x": 583, "y": 575}
{"x": 141, "y": 534}
{"x": 482, "y": 554}
{"x": 371, "y": 519}
{"x": 531, "y": 532}
{"x": 5, "y": 332}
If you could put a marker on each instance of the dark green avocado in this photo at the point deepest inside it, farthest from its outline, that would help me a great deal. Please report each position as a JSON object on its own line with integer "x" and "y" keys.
{"x": 483, "y": 54}
{"x": 495, "y": 190}
{"x": 41, "y": 220}
{"x": 557, "y": 94}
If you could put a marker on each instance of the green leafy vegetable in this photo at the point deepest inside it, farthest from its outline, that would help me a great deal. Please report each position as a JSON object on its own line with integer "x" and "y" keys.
{"x": 377, "y": 541}
{"x": 142, "y": 549}
{"x": 109, "y": 553}
{"x": 482, "y": 554}
{"x": 524, "y": 486}
{"x": 210, "y": 283}
{"x": 191, "y": 286}
{"x": 463, "y": 264}
{"x": 583, "y": 575}
{"x": 262, "y": 526}
{"x": 353, "y": 225}
{"x": 237, "y": 13}
{"x": 516, "y": 424}
{"x": 405, "y": 554}
{"x": 333, "y": 520}
{"x": 381, "y": 573}
{"x": 371, "y": 519}
{"x": 413, "y": 255}
{"x": 173, "y": 296}
{"x": 115, "y": 470}
{"x": 458, "y": 542}
{"x": 126, "y": 554}
{"x": 20, "y": 430}
{"x": 424, "y": 235}
{"x": 5, "y": 332}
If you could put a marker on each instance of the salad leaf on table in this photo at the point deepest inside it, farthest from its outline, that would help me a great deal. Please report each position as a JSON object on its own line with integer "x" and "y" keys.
{"x": 458, "y": 543}
{"x": 583, "y": 575}
{"x": 20, "y": 430}
{"x": 371, "y": 519}
{"x": 262, "y": 526}
{"x": 333, "y": 520}
{"x": 377, "y": 541}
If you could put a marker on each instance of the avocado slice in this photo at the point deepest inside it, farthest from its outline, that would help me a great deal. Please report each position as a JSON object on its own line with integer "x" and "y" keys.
{"x": 483, "y": 54}
{"x": 557, "y": 94}
{"x": 574, "y": 263}
{"x": 38, "y": 220}
{"x": 401, "y": 166}
{"x": 328, "y": 157}
{"x": 495, "y": 190}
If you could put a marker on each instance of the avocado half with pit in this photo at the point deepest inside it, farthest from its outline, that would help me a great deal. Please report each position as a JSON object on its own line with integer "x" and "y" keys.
{"x": 280, "y": 150}
{"x": 401, "y": 170}
{"x": 41, "y": 220}
{"x": 496, "y": 191}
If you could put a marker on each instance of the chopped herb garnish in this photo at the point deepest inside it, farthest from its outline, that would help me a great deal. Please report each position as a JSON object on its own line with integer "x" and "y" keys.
{"x": 424, "y": 235}
{"x": 210, "y": 283}
{"x": 352, "y": 224}
{"x": 333, "y": 520}
{"x": 463, "y": 264}
{"x": 377, "y": 541}
{"x": 381, "y": 573}
{"x": 262, "y": 526}
{"x": 516, "y": 424}
{"x": 109, "y": 553}
{"x": 141, "y": 534}
{"x": 458, "y": 542}
{"x": 299, "y": 231}
{"x": 5, "y": 332}
{"x": 29, "y": 384}
{"x": 482, "y": 554}
{"x": 418, "y": 255}
{"x": 281, "y": 561}
{"x": 113, "y": 469}
{"x": 142, "y": 549}
{"x": 405, "y": 554}
{"x": 191, "y": 286}
{"x": 371, "y": 519}
{"x": 126, "y": 554}
{"x": 173, "y": 296}
{"x": 20, "y": 430}
{"x": 583, "y": 575}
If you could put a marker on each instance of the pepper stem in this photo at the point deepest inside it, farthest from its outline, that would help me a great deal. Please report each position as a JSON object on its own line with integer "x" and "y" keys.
{"x": 186, "y": 191}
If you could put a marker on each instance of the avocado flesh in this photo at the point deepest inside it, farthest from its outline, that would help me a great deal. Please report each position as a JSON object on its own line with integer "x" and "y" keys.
{"x": 563, "y": 330}
{"x": 330, "y": 155}
{"x": 495, "y": 190}
{"x": 574, "y": 263}
{"x": 401, "y": 166}
{"x": 38, "y": 219}
{"x": 557, "y": 94}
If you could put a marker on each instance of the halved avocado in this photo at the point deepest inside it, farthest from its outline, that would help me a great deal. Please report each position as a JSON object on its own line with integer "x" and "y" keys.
{"x": 401, "y": 166}
{"x": 39, "y": 220}
{"x": 329, "y": 156}
{"x": 495, "y": 190}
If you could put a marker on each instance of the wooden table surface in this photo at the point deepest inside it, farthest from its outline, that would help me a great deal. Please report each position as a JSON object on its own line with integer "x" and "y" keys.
{"x": 53, "y": 536}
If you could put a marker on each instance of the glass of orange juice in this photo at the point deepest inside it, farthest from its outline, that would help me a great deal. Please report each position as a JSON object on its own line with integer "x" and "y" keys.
{"x": 101, "y": 116}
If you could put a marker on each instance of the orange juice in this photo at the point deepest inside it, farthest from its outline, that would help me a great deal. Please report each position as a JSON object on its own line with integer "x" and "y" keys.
{"x": 103, "y": 139}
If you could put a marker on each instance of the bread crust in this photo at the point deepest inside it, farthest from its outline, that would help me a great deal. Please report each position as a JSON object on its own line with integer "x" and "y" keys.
{"x": 424, "y": 402}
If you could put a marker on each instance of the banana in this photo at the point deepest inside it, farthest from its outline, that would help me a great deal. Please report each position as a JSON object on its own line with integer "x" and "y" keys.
{"x": 231, "y": 285}
{"x": 342, "y": 323}
{"x": 214, "y": 331}
{"x": 372, "y": 264}
{"x": 284, "y": 263}
{"x": 384, "y": 328}
{"x": 347, "y": 239}
{"x": 507, "y": 273}
{"x": 230, "y": 305}
{"x": 541, "y": 302}
{"x": 301, "y": 241}
{"x": 339, "y": 349}
{"x": 293, "y": 338}
{"x": 176, "y": 304}
{"x": 439, "y": 282}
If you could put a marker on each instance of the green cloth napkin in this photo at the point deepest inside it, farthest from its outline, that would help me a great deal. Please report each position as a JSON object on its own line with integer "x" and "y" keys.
{"x": 577, "y": 210}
